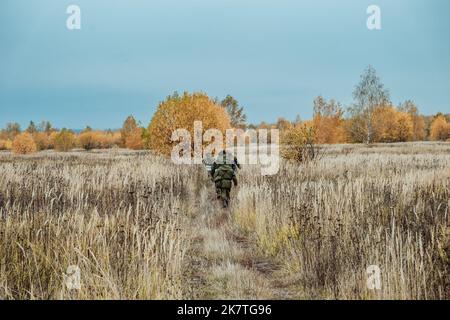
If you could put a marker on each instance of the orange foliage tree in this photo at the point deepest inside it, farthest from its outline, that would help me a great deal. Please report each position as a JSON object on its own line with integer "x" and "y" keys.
{"x": 418, "y": 121}
{"x": 5, "y": 144}
{"x": 134, "y": 140}
{"x": 108, "y": 139}
{"x": 52, "y": 138}
{"x": 89, "y": 139}
{"x": 180, "y": 112}
{"x": 42, "y": 140}
{"x": 132, "y": 134}
{"x": 384, "y": 124}
{"x": 64, "y": 140}
{"x": 283, "y": 125}
{"x": 440, "y": 129}
{"x": 86, "y": 140}
{"x": 391, "y": 125}
{"x": 24, "y": 144}
{"x": 328, "y": 121}
{"x": 298, "y": 142}
{"x": 404, "y": 129}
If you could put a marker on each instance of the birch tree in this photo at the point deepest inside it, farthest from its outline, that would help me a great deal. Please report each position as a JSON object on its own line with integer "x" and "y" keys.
{"x": 368, "y": 95}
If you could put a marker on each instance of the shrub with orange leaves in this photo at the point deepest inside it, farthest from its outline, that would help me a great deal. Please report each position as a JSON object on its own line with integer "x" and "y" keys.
{"x": 5, "y": 144}
{"x": 51, "y": 139}
{"x": 24, "y": 144}
{"x": 383, "y": 123}
{"x": 86, "y": 140}
{"x": 418, "y": 121}
{"x": 129, "y": 127}
{"x": 404, "y": 130}
{"x": 329, "y": 129}
{"x": 418, "y": 127}
{"x": 328, "y": 122}
{"x": 391, "y": 125}
{"x": 89, "y": 139}
{"x": 42, "y": 140}
{"x": 108, "y": 140}
{"x": 134, "y": 140}
{"x": 298, "y": 142}
{"x": 64, "y": 140}
{"x": 440, "y": 129}
{"x": 180, "y": 112}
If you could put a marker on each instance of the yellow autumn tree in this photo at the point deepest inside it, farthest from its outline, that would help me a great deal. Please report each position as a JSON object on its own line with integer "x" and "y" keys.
{"x": 52, "y": 139}
{"x": 418, "y": 121}
{"x": 384, "y": 124}
{"x": 107, "y": 139}
{"x": 24, "y": 144}
{"x": 391, "y": 125}
{"x": 328, "y": 122}
{"x": 87, "y": 140}
{"x": 419, "y": 128}
{"x": 404, "y": 129}
{"x": 134, "y": 139}
{"x": 5, "y": 144}
{"x": 298, "y": 142}
{"x": 64, "y": 140}
{"x": 132, "y": 134}
{"x": 283, "y": 125}
{"x": 42, "y": 140}
{"x": 440, "y": 129}
{"x": 180, "y": 112}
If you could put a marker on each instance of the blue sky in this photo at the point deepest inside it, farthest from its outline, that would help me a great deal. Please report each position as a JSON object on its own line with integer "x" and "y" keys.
{"x": 273, "y": 56}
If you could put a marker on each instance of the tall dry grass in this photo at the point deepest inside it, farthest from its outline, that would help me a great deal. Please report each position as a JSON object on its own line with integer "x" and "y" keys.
{"x": 131, "y": 222}
{"x": 116, "y": 216}
{"x": 325, "y": 222}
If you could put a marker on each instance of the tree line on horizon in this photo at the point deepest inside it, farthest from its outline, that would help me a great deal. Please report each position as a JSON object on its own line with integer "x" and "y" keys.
{"x": 372, "y": 118}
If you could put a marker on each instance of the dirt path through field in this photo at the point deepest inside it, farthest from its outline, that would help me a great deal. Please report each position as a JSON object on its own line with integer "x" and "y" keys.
{"x": 226, "y": 264}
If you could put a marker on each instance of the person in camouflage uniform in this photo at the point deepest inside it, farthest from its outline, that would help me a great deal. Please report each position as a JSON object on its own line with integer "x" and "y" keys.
{"x": 224, "y": 176}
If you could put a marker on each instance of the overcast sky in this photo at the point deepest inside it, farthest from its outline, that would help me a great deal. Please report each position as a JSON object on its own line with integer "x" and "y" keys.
{"x": 274, "y": 57}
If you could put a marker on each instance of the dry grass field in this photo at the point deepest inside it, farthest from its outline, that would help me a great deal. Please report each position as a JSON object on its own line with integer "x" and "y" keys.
{"x": 139, "y": 227}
